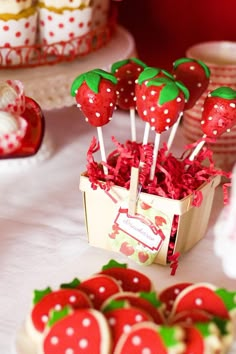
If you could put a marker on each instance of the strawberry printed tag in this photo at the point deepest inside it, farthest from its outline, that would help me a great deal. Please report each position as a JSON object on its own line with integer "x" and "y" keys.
{"x": 140, "y": 236}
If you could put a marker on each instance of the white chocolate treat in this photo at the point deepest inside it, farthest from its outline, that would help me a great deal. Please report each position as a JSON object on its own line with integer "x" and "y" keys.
{"x": 14, "y": 6}
{"x": 7, "y": 94}
{"x": 8, "y": 123}
{"x": 71, "y": 4}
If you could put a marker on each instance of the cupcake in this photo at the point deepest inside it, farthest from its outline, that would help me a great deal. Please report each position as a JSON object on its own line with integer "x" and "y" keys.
{"x": 18, "y": 25}
{"x": 62, "y": 21}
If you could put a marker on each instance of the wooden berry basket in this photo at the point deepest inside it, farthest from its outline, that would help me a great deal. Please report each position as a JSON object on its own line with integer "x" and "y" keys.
{"x": 106, "y": 221}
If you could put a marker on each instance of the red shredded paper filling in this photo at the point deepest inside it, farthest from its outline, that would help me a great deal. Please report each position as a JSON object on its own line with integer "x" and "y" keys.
{"x": 175, "y": 178}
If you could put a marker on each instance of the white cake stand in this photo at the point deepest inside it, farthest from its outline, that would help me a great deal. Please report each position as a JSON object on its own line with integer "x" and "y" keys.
{"x": 50, "y": 85}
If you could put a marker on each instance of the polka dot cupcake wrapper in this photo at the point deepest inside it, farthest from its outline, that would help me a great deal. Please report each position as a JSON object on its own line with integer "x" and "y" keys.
{"x": 11, "y": 142}
{"x": 12, "y": 100}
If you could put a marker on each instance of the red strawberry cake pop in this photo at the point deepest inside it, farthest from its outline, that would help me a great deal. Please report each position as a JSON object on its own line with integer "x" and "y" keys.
{"x": 195, "y": 75}
{"x": 200, "y": 321}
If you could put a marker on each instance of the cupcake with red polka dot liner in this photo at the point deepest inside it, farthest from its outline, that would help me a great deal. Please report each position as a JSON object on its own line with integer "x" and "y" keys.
{"x": 23, "y": 141}
{"x": 18, "y": 28}
{"x": 63, "y": 21}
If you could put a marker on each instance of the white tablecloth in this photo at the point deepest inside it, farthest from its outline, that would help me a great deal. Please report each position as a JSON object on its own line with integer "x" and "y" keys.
{"x": 43, "y": 239}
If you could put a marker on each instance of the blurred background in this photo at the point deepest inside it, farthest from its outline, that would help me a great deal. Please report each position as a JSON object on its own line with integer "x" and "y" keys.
{"x": 163, "y": 30}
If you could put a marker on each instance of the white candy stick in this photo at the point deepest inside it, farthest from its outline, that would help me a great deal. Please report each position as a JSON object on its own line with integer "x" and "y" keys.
{"x": 173, "y": 132}
{"x": 155, "y": 154}
{"x": 197, "y": 149}
{"x": 133, "y": 124}
{"x": 102, "y": 148}
{"x": 146, "y": 133}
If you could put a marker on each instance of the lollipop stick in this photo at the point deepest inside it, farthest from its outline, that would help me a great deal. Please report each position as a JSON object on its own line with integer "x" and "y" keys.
{"x": 102, "y": 148}
{"x": 146, "y": 133}
{"x": 155, "y": 153}
{"x": 197, "y": 149}
{"x": 133, "y": 124}
{"x": 173, "y": 132}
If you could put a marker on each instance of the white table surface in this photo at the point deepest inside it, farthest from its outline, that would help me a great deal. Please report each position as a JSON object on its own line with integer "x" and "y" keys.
{"x": 43, "y": 240}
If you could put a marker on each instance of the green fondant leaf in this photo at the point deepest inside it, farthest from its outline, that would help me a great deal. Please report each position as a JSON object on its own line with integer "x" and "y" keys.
{"x": 55, "y": 316}
{"x": 224, "y": 92}
{"x": 222, "y": 325}
{"x": 181, "y": 61}
{"x": 72, "y": 285}
{"x": 228, "y": 298}
{"x": 183, "y": 88}
{"x": 115, "y": 304}
{"x": 76, "y": 84}
{"x": 168, "y": 93}
{"x": 114, "y": 264}
{"x": 147, "y": 74}
{"x": 39, "y": 294}
{"x": 159, "y": 81}
{"x": 118, "y": 64}
{"x": 167, "y": 74}
{"x": 139, "y": 62}
{"x": 93, "y": 80}
{"x": 168, "y": 335}
{"x": 106, "y": 75}
{"x": 205, "y": 67}
{"x": 151, "y": 297}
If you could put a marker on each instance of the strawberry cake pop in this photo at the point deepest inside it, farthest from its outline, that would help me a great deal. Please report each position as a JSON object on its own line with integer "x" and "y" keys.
{"x": 127, "y": 72}
{"x": 195, "y": 75}
{"x": 160, "y": 102}
{"x": 95, "y": 94}
{"x": 218, "y": 116}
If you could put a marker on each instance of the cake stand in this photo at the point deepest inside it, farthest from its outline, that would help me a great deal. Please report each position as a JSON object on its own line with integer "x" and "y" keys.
{"x": 50, "y": 85}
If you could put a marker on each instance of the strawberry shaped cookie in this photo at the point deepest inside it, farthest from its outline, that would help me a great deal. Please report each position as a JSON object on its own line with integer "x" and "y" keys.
{"x": 206, "y": 297}
{"x": 148, "y": 302}
{"x": 219, "y": 112}
{"x": 148, "y": 337}
{"x": 129, "y": 279}
{"x": 47, "y": 300}
{"x": 195, "y": 75}
{"x": 121, "y": 317}
{"x": 95, "y": 94}
{"x": 99, "y": 288}
{"x": 81, "y": 331}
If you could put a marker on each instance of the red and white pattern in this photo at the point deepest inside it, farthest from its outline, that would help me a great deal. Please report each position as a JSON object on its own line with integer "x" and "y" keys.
{"x": 12, "y": 141}
{"x": 17, "y": 33}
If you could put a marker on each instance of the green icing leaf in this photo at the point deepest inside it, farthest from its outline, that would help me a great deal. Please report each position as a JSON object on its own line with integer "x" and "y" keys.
{"x": 189, "y": 60}
{"x": 184, "y": 89}
{"x": 224, "y": 92}
{"x": 114, "y": 264}
{"x": 222, "y": 325}
{"x": 118, "y": 64}
{"x": 151, "y": 297}
{"x": 106, "y": 75}
{"x": 93, "y": 80}
{"x": 168, "y": 335}
{"x": 159, "y": 81}
{"x": 204, "y": 328}
{"x": 55, "y": 316}
{"x": 72, "y": 285}
{"x": 228, "y": 297}
{"x": 115, "y": 304}
{"x": 76, "y": 84}
{"x": 39, "y": 294}
{"x": 147, "y": 74}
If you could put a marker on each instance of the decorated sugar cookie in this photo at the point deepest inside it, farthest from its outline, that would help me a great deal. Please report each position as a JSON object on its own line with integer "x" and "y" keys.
{"x": 129, "y": 279}
{"x": 82, "y": 331}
